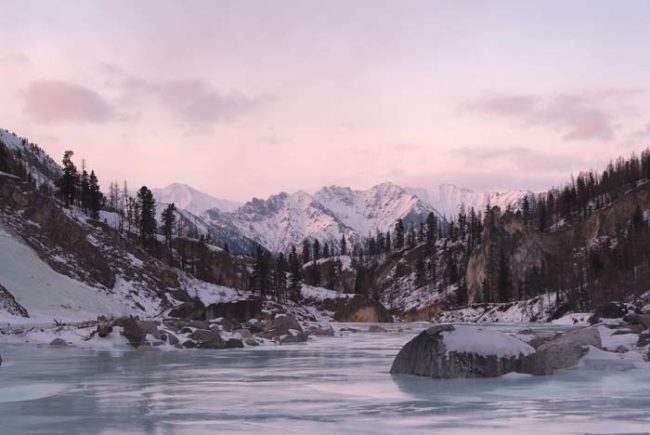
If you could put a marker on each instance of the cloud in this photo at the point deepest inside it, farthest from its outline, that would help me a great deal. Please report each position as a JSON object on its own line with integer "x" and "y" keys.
{"x": 520, "y": 158}
{"x": 52, "y": 101}
{"x": 578, "y": 116}
{"x": 193, "y": 100}
{"x": 14, "y": 59}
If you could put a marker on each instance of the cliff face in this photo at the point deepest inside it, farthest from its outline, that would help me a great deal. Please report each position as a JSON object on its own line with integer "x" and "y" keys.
{"x": 591, "y": 252}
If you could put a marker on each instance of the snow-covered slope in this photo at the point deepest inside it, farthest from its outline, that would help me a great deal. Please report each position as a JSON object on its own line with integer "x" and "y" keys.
{"x": 44, "y": 293}
{"x": 377, "y": 208}
{"x": 192, "y": 200}
{"x": 449, "y": 199}
{"x": 42, "y": 168}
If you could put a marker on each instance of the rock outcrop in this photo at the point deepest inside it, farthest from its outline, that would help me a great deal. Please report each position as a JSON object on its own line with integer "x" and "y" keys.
{"x": 448, "y": 351}
{"x": 362, "y": 309}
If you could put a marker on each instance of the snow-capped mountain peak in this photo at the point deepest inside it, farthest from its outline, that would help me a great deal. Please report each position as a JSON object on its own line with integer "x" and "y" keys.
{"x": 192, "y": 200}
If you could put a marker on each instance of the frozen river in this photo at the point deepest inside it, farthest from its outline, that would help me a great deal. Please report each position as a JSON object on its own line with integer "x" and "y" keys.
{"x": 331, "y": 386}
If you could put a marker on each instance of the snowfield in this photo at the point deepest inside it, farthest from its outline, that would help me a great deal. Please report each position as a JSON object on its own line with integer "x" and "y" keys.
{"x": 484, "y": 341}
{"x": 46, "y": 294}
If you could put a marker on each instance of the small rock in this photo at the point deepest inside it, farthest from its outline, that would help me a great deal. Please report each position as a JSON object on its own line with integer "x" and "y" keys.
{"x": 376, "y": 328}
{"x": 233, "y": 343}
{"x": 58, "y": 342}
{"x": 104, "y": 330}
{"x": 251, "y": 342}
{"x": 349, "y": 330}
{"x": 298, "y": 337}
{"x": 169, "y": 338}
{"x": 327, "y": 331}
{"x": 189, "y": 344}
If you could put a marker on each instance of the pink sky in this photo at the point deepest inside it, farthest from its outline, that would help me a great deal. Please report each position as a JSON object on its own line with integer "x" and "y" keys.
{"x": 247, "y": 98}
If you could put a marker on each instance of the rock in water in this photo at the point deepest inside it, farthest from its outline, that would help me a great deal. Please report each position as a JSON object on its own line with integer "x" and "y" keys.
{"x": 58, "y": 342}
{"x": 460, "y": 351}
{"x": 282, "y": 325}
{"x": 131, "y": 330}
{"x": 562, "y": 352}
{"x": 362, "y": 309}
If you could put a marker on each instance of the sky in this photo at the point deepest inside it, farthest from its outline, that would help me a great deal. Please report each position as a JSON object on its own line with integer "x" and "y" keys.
{"x": 249, "y": 98}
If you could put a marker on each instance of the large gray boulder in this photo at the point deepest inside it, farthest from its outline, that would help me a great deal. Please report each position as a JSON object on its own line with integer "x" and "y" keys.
{"x": 281, "y": 325}
{"x": 460, "y": 351}
{"x": 132, "y": 330}
{"x": 562, "y": 352}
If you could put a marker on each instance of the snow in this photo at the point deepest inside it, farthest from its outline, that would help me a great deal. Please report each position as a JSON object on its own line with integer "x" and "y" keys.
{"x": 449, "y": 199}
{"x": 597, "y": 359}
{"x": 192, "y": 200}
{"x": 210, "y": 293}
{"x": 577, "y": 319}
{"x": 613, "y": 342}
{"x": 320, "y": 293}
{"x": 45, "y": 293}
{"x": 483, "y": 341}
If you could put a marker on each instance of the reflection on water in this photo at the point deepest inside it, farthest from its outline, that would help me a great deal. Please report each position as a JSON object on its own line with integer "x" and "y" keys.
{"x": 332, "y": 385}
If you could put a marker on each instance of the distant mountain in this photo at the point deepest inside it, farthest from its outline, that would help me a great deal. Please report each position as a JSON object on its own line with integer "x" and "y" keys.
{"x": 449, "y": 199}
{"x": 329, "y": 214}
{"x": 192, "y": 200}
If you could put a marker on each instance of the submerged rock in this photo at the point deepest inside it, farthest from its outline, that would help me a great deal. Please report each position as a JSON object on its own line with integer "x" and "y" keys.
{"x": 562, "y": 352}
{"x": 58, "y": 342}
{"x": 462, "y": 351}
{"x": 362, "y": 309}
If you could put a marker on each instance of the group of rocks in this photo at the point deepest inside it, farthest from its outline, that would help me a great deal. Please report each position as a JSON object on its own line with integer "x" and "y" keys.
{"x": 431, "y": 353}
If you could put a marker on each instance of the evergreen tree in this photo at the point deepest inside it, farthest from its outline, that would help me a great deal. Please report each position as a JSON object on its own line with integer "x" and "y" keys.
{"x": 147, "y": 218}
{"x": 388, "y": 242}
{"x": 432, "y": 230}
{"x": 69, "y": 181}
{"x": 168, "y": 225}
{"x": 344, "y": 246}
{"x": 306, "y": 251}
{"x": 295, "y": 278}
{"x": 280, "y": 278}
{"x": 203, "y": 257}
{"x": 85, "y": 190}
{"x": 326, "y": 250}
{"x": 95, "y": 197}
{"x": 261, "y": 271}
{"x": 399, "y": 235}
{"x": 316, "y": 250}
{"x": 332, "y": 274}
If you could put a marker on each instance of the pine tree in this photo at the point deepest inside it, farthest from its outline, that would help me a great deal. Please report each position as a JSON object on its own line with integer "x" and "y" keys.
{"x": 85, "y": 189}
{"x": 332, "y": 274}
{"x": 168, "y": 225}
{"x": 261, "y": 271}
{"x": 147, "y": 218}
{"x": 95, "y": 196}
{"x": 280, "y": 278}
{"x": 306, "y": 251}
{"x": 203, "y": 260}
{"x": 316, "y": 250}
{"x": 432, "y": 230}
{"x": 69, "y": 181}
{"x": 344, "y": 246}
{"x": 295, "y": 271}
{"x": 326, "y": 250}
{"x": 504, "y": 288}
{"x": 420, "y": 272}
{"x": 399, "y": 235}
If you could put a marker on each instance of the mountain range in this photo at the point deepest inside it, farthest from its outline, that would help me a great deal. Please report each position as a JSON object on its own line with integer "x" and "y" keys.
{"x": 329, "y": 214}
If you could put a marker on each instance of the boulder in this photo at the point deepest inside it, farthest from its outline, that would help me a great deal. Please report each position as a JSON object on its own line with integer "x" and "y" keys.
{"x": 326, "y": 331}
{"x": 281, "y": 325}
{"x": 638, "y": 319}
{"x": 132, "y": 330}
{"x": 150, "y": 327}
{"x": 239, "y": 311}
{"x": 194, "y": 310}
{"x": 614, "y": 310}
{"x": 208, "y": 339}
{"x": 234, "y": 343}
{"x": 251, "y": 342}
{"x": 104, "y": 329}
{"x": 562, "y": 352}
{"x": 460, "y": 351}
{"x": 644, "y": 339}
{"x": 169, "y": 338}
{"x": 189, "y": 344}
{"x": 362, "y": 309}
{"x": 58, "y": 342}
{"x": 376, "y": 328}
{"x": 298, "y": 337}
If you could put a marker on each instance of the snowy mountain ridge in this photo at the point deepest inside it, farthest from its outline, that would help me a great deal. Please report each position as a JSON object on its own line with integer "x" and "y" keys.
{"x": 192, "y": 200}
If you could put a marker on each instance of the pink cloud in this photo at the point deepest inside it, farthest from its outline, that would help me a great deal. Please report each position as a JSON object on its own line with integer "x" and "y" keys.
{"x": 579, "y": 117}
{"x": 55, "y": 101}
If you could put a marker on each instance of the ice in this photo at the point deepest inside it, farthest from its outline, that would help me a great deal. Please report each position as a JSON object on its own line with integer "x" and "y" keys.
{"x": 332, "y": 385}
